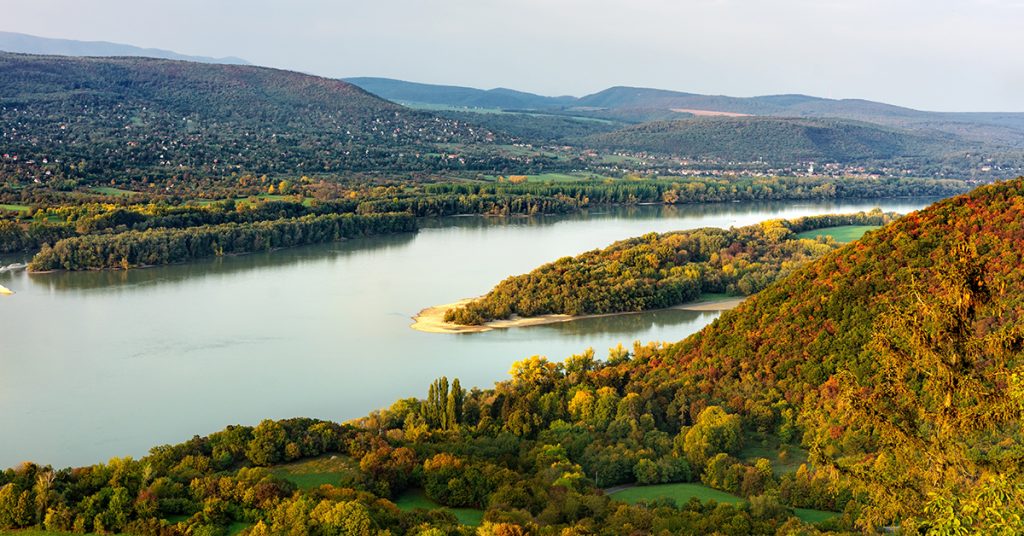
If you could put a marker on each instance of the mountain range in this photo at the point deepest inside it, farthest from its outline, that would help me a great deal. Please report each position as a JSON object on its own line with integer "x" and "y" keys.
{"x": 635, "y": 105}
{"x": 144, "y": 116}
{"x": 31, "y": 44}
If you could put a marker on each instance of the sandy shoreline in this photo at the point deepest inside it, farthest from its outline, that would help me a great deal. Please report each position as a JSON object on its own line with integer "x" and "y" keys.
{"x": 431, "y": 319}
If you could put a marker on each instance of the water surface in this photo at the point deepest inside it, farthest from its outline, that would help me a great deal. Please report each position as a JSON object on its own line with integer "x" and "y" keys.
{"x": 95, "y": 365}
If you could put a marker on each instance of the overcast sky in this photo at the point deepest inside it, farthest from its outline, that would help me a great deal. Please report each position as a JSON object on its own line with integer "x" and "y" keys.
{"x": 965, "y": 55}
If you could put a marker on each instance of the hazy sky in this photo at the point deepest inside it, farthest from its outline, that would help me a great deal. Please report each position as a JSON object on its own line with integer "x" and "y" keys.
{"x": 965, "y": 55}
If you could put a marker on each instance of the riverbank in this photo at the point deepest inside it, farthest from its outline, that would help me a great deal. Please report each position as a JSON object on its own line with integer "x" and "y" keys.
{"x": 431, "y": 319}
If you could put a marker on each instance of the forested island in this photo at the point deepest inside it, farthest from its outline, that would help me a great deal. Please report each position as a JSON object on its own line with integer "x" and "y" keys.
{"x": 875, "y": 388}
{"x": 656, "y": 271}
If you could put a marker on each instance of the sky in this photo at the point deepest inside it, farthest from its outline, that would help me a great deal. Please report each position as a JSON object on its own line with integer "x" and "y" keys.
{"x": 945, "y": 55}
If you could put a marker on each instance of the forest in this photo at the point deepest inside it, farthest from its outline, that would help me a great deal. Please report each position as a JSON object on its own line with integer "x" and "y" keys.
{"x": 153, "y": 247}
{"x": 661, "y": 270}
{"x": 893, "y": 363}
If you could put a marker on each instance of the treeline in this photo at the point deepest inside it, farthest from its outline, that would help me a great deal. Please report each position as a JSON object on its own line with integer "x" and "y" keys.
{"x": 657, "y": 271}
{"x": 673, "y": 190}
{"x": 166, "y": 246}
{"x": 47, "y": 223}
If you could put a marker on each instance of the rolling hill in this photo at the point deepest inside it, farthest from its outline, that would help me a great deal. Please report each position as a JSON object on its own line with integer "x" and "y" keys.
{"x": 31, "y": 44}
{"x": 637, "y": 105}
{"x": 455, "y": 96}
{"x": 779, "y": 140}
{"x": 143, "y": 116}
{"x": 899, "y": 356}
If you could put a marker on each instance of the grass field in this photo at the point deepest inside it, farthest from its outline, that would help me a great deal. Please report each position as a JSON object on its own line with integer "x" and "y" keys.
{"x": 310, "y": 474}
{"x": 107, "y": 190}
{"x": 414, "y": 498}
{"x": 561, "y": 177}
{"x": 681, "y": 493}
{"x": 841, "y": 234}
{"x": 33, "y": 532}
{"x": 814, "y": 516}
{"x": 266, "y": 197}
{"x": 780, "y": 464}
{"x": 233, "y": 529}
{"x": 15, "y": 208}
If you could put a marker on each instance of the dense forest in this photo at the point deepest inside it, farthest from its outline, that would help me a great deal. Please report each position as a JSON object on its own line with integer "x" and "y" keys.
{"x": 778, "y": 140}
{"x": 166, "y": 246}
{"x": 893, "y": 362}
{"x": 661, "y": 270}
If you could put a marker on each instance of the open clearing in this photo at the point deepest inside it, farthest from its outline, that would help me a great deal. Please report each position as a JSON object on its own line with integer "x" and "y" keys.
{"x": 708, "y": 113}
{"x": 813, "y": 516}
{"x": 109, "y": 190}
{"x": 14, "y": 208}
{"x": 415, "y": 498}
{"x": 681, "y": 493}
{"x": 781, "y": 463}
{"x": 841, "y": 234}
{"x": 310, "y": 474}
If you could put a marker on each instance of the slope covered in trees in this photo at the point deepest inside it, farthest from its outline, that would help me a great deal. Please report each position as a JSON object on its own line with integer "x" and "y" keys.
{"x": 778, "y": 140}
{"x": 104, "y": 118}
{"x": 656, "y": 271}
{"x": 899, "y": 357}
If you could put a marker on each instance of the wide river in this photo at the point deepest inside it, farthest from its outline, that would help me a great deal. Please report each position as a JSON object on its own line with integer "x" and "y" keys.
{"x": 95, "y": 365}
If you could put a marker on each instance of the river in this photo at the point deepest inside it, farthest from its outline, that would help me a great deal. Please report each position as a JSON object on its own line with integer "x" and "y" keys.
{"x": 103, "y": 364}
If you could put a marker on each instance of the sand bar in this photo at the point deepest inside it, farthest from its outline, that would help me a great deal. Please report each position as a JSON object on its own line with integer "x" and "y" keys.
{"x": 431, "y": 319}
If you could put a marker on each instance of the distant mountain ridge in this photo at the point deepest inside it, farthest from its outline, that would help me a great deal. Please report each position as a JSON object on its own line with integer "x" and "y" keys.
{"x": 31, "y": 44}
{"x": 457, "y": 96}
{"x": 778, "y": 140}
{"x": 638, "y": 105}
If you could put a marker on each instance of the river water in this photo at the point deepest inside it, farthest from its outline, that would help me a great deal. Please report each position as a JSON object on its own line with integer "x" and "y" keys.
{"x": 95, "y": 365}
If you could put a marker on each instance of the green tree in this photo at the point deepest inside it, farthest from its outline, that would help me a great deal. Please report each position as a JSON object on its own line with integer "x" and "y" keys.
{"x": 714, "y": 432}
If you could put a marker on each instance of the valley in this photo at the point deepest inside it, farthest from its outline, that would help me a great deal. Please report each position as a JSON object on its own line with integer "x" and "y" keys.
{"x": 695, "y": 313}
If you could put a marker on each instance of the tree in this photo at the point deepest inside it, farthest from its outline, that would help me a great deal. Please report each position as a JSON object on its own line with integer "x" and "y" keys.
{"x": 268, "y": 442}
{"x": 714, "y": 432}
{"x": 453, "y": 408}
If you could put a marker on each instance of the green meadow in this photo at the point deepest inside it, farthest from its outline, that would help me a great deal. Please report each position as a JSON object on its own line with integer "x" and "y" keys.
{"x": 415, "y": 498}
{"x": 313, "y": 473}
{"x": 681, "y": 493}
{"x": 841, "y": 234}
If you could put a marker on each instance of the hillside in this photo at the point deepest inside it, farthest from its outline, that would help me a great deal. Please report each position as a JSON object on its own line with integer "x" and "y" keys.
{"x": 777, "y": 140}
{"x": 455, "y": 96}
{"x": 898, "y": 356}
{"x": 31, "y": 44}
{"x": 638, "y": 105}
{"x": 110, "y": 117}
